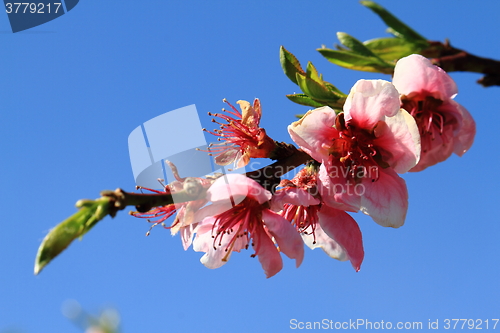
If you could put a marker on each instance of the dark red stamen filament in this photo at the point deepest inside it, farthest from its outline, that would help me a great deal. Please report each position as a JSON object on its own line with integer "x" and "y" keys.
{"x": 429, "y": 119}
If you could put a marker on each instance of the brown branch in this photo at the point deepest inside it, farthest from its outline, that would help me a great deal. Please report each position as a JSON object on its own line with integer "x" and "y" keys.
{"x": 143, "y": 202}
{"x": 452, "y": 59}
{"x": 269, "y": 176}
{"x": 288, "y": 158}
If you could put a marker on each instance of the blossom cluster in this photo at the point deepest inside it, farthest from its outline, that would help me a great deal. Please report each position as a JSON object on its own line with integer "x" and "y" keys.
{"x": 356, "y": 156}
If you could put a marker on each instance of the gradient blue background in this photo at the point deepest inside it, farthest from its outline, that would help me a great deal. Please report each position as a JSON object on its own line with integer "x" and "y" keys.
{"x": 73, "y": 89}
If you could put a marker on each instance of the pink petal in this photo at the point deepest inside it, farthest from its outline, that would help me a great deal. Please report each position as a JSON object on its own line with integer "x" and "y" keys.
{"x": 267, "y": 253}
{"x": 342, "y": 228}
{"x": 336, "y": 191}
{"x": 187, "y": 234}
{"x": 250, "y": 115}
{"x": 457, "y": 136}
{"x": 415, "y": 74}
{"x": 464, "y": 139}
{"x": 436, "y": 150}
{"x": 292, "y": 195}
{"x": 241, "y": 160}
{"x": 217, "y": 256}
{"x": 203, "y": 240}
{"x": 386, "y": 199}
{"x": 288, "y": 239}
{"x": 235, "y": 188}
{"x": 227, "y": 157}
{"x": 401, "y": 140}
{"x": 314, "y": 132}
{"x": 369, "y": 102}
{"x": 213, "y": 257}
{"x": 212, "y": 210}
{"x": 322, "y": 240}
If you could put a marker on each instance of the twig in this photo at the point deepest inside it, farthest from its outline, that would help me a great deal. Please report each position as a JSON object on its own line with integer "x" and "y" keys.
{"x": 452, "y": 59}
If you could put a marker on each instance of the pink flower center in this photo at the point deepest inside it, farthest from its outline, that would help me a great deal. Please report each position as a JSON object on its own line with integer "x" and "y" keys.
{"x": 303, "y": 218}
{"x": 238, "y": 223}
{"x": 161, "y": 214}
{"x": 234, "y": 133}
{"x": 426, "y": 111}
{"x": 355, "y": 151}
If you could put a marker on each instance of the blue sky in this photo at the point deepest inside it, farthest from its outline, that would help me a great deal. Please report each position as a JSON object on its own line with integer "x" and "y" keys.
{"x": 73, "y": 89}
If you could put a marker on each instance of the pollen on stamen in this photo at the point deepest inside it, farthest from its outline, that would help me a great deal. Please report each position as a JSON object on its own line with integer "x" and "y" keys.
{"x": 154, "y": 225}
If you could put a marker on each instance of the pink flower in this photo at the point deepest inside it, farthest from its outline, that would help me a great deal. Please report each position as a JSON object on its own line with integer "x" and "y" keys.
{"x": 186, "y": 219}
{"x": 427, "y": 93}
{"x": 241, "y": 136}
{"x": 240, "y": 218}
{"x": 361, "y": 150}
{"x": 321, "y": 226}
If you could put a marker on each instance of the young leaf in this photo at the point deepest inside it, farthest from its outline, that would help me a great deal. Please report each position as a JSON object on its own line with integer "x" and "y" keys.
{"x": 393, "y": 22}
{"x": 75, "y": 226}
{"x": 303, "y": 99}
{"x": 312, "y": 73}
{"x": 355, "y": 45}
{"x": 357, "y": 62}
{"x": 316, "y": 90}
{"x": 290, "y": 64}
{"x": 334, "y": 89}
{"x": 390, "y": 49}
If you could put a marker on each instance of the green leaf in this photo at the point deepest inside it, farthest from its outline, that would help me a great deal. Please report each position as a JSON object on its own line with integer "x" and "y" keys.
{"x": 355, "y": 45}
{"x": 357, "y": 62}
{"x": 290, "y": 64}
{"x": 393, "y": 22}
{"x": 312, "y": 73}
{"x": 334, "y": 89}
{"x": 77, "y": 225}
{"x": 316, "y": 90}
{"x": 303, "y": 99}
{"x": 390, "y": 49}
{"x": 396, "y": 34}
